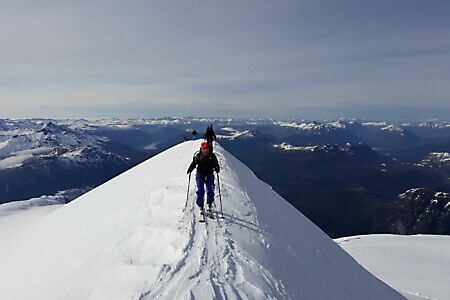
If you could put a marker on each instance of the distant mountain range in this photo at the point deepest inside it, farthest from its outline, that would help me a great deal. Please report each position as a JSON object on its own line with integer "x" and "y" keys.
{"x": 345, "y": 175}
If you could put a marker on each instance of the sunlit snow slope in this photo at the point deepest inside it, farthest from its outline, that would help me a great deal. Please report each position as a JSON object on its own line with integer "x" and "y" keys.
{"x": 131, "y": 239}
{"x": 418, "y": 265}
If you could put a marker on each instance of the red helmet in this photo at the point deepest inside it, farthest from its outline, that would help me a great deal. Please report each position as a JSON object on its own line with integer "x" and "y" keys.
{"x": 204, "y": 145}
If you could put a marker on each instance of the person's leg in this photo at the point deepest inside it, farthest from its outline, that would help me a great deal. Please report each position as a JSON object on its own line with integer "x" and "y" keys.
{"x": 200, "y": 179}
{"x": 210, "y": 188}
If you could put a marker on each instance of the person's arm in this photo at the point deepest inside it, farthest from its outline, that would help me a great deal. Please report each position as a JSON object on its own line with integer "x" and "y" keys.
{"x": 192, "y": 165}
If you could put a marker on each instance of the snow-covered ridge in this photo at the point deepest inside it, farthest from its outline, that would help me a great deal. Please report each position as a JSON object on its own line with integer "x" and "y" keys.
{"x": 348, "y": 148}
{"x": 417, "y": 194}
{"x": 131, "y": 239}
{"x": 443, "y": 157}
{"x": 435, "y": 159}
{"x": 174, "y": 121}
{"x": 434, "y": 124}
{"x": 289, "y": 147}
{"x": 312, "y": 126}
{"x": 392, "y": 128}
{"x": 234, "y": 134}
{"x": 416, "y": 190}
{"x": 375, "y": 124}
{"x": 168, "y": 121}
{"x": 384, "y": 126}
{"x": 410, "y": 191}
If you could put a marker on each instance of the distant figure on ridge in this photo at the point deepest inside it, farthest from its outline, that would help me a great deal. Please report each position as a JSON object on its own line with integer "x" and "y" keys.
{"x": 210, "y": 136}
{"x": 194, "y": 134}
{"x": 206, "y": 163}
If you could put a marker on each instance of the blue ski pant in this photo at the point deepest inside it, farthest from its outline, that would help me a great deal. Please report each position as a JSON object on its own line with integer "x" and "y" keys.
{"x": 202, "y": 181}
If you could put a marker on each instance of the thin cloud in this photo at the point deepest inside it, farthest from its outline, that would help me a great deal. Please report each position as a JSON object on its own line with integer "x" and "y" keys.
{"x": 273, "y": 57}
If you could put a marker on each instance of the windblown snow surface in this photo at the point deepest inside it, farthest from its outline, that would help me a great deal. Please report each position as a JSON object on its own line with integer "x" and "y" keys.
{"x": 418, "y": 265}
{"x": 131, "y": 239}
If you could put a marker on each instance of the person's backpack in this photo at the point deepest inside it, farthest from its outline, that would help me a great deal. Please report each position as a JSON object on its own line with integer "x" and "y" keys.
{"x": 197, "y": 156}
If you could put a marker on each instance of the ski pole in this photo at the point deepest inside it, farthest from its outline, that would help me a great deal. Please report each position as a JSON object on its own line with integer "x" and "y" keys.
{"x": 187, "y": 195}
{"x": 220, "y": 195}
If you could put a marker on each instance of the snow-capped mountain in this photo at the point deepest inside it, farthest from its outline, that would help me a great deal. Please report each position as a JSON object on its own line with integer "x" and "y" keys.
{"x": 45, "y": 139}
{"x": 421, "y": 210}
{"x": 327, "y": 169}
{"x": 430, "y": 129}
{"x": 41, "y": 157}
{"x": 313, "y": 126}
{"x": 130, "y": 239}
{"x": 232, "y": 134}
{"x": 437, "y": 158}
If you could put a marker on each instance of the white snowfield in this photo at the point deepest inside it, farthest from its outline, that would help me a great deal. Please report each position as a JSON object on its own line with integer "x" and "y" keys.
{"x": 131, "y": 239}
{"x": 418, "y": 265}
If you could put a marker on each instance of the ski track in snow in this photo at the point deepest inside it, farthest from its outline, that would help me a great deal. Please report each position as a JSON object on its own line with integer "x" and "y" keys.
{"x": 211, "y": 258}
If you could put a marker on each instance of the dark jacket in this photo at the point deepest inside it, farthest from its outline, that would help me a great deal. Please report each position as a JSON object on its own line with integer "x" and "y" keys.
{"x": 209, "y": 135}
{"x": 205, "y": 164}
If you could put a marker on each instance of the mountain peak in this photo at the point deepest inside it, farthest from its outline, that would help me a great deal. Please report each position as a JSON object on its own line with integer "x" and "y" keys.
{"x": 131, "y": 239}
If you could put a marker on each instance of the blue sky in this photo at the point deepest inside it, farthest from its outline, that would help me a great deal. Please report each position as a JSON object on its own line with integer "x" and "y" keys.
{"x": 279, "y": 59}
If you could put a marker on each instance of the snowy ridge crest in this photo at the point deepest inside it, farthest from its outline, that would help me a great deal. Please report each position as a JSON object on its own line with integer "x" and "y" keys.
{"x": 131, "y": 239}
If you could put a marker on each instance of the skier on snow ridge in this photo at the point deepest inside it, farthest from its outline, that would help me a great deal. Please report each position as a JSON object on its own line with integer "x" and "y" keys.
{"x": 206, "y": 163}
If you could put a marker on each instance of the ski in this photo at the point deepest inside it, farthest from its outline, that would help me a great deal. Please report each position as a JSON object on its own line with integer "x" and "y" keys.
{"x": 206, "y": 214}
